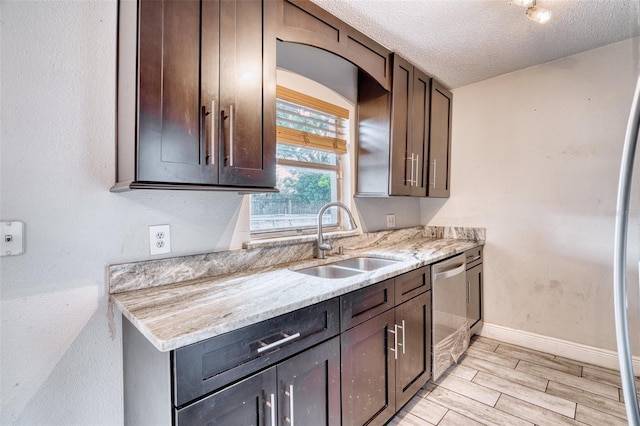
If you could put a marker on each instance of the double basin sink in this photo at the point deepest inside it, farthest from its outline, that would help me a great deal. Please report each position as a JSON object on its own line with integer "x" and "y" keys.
{"x": 347, "y": 268}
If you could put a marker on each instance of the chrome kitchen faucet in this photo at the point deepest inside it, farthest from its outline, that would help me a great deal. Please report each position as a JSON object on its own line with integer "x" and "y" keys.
{"x": 321, "y": 246}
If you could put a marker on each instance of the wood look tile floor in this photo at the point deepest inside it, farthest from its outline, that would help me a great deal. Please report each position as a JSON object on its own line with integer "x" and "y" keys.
{"x": 496, "y": 383}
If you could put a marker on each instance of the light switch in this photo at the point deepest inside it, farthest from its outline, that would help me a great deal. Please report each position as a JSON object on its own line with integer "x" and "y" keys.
{"x": 11, "y": 238}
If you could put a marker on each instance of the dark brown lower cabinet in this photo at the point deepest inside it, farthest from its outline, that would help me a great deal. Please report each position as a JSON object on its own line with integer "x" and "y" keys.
{"x": 245, "y": 403}
{"x": 474, "y": 288}
{"x": 474, "y": 295}
{"x": 302, "y": 390}
{"x": 368, "y": 372}
{"x": 385, "y": 361}
{"x": 309, "y": 386}
{"x": 413, "y": 366}
{"x": 352, "y": 360}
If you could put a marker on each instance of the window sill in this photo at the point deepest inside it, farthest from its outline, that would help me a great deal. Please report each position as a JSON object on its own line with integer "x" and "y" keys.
{"x": 296, "y": 239}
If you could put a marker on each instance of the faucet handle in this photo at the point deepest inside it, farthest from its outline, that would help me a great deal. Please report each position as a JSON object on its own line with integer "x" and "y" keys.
{"x": 325, "y": 246}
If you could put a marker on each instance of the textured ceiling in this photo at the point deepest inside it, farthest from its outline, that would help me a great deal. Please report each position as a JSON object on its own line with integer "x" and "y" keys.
{"x": 464, "y": 41}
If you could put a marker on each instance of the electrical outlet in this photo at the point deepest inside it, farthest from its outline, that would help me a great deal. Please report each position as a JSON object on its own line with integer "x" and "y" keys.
{"x": 391, "y": 221}
{"x": 159, "y": 239}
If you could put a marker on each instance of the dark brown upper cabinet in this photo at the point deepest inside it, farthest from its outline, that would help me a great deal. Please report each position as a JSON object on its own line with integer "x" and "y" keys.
{"x": 409, "y": 144}
{"x": 196, "y": 94}
{"x": 440, "y": 142}
{"x": 404, "y": 136}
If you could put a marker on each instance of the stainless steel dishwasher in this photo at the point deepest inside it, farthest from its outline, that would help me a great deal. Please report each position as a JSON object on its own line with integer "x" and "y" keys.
{"x": 450, "y": 326}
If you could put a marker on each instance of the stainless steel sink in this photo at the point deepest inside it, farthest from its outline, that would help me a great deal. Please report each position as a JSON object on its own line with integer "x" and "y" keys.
{"x": 365, "y": 263}
{"x": 330, "y": 271}
{"x": 347, "y": 268}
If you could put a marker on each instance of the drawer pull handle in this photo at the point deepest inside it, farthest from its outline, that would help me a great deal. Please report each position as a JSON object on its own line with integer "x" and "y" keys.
{"x": 473, "y": 258}
{"x": 286, "y": 339}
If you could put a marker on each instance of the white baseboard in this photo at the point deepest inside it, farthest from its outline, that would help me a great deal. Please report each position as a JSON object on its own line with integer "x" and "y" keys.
{"x": 563, "y": 348}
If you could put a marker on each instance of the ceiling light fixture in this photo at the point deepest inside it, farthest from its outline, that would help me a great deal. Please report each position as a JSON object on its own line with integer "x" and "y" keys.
{"x": 524, "y": 3}
{"x": 538, "y": 14}
{"x": 534, "y": 12}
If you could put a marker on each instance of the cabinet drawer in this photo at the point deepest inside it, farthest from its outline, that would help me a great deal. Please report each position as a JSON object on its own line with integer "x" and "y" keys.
{"x": 412, "y": 284}
{"x": 360, "y": 305}
{"x": 473, "y": 257}
{"x": 208, "y": 365}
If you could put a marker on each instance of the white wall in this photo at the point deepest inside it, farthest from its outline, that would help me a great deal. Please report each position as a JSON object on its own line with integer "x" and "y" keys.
{"x": 61, "y": 357}
{"x": 60, "y": 346}
{"x": 536, "y": 155}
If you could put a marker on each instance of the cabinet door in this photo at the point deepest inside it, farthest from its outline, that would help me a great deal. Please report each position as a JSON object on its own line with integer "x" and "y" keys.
{"x": 474, "y": 294}
{"x": 402, "y": 164}
{"x": 368, "y": 372}
{"x": 413, "y": 366}
{"x": 171, "y": 117}
{"x": 309, "y": 386}
{"x": 247, "y": 93}
{"x": 439, "y": 141}
{"x": 420, "y": 131}
{"x": 249, "y": 402}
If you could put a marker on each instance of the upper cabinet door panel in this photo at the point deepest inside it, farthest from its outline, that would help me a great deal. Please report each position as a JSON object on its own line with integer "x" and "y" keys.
{"x": 440, "y": 141}
{"x": 420, "y": 130}
{"x": 170, "y": 116}
{"x": 247, "y": 137}
{"x": 402, "y": 165}
{"x": 209, "y": 78}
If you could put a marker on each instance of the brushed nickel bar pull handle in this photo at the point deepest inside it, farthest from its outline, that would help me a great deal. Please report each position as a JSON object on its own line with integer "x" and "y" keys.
{"x": 468, "y": 291}
{"x": 231, "y": 135}
{"x": 417, "y": 169}
{"x": 413, "y": 181}
{"x": 272, "y": 405}
{"x": 212, "y": 136}
{"x": 407, "y": 181}
{"x": 290, "y": 395}
{"x": 403, "y": 336}
{"x": 435, "y": 168}
{"x": 395, "y": 345}
{"x": 286, "y": 339}
{"x": 449, "y": 272}
{"x": 473, "y": 258}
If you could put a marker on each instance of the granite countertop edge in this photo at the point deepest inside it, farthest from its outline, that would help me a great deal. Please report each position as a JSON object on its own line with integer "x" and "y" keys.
{"x": 177, "y": 315}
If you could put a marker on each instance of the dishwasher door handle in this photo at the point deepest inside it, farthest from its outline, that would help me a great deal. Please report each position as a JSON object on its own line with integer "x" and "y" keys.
{"x": 451, "y": 272}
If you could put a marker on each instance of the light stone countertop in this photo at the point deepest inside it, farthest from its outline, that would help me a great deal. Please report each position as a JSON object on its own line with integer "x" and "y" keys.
{"x": 175, "y": 315}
